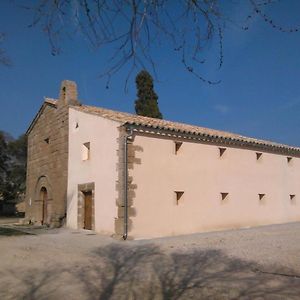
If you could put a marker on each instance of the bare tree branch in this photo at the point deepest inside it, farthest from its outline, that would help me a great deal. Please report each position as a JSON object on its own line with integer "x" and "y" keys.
{"x": 135, "y": 27}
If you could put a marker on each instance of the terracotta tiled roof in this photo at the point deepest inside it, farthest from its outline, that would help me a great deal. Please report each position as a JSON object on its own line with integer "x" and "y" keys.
{"x": 222, "y": 136}
{"x": 177, "y": 127}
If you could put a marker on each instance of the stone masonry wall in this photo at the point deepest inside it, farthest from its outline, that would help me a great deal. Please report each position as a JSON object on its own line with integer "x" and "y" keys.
{"x": 47, "y": 163}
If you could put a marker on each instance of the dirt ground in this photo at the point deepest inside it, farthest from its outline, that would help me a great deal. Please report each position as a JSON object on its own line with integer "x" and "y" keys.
{"x": 257, "y": 263}
{"x": 8, "y": 220}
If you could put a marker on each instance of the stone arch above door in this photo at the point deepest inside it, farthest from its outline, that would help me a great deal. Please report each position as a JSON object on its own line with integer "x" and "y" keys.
{"x": 43, "y": 181}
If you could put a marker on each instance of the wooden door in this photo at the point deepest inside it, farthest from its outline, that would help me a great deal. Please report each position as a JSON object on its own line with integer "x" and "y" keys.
{"x": 44, "y": 198}
{"x": 88, "y": 210}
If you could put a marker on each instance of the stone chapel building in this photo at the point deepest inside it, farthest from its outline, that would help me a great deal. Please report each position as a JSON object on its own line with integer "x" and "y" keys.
{"x": 133, "y": 176}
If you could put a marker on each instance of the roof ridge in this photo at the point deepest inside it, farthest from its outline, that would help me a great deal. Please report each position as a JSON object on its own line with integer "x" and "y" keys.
{"x": 158, "y": 120}
{"x": 125, "y": 117}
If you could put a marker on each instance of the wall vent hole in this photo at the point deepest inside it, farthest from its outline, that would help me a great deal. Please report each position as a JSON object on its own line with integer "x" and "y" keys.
{"x": 177, "y": 146}
{"x": 224, "y": 196}
{"x": 222, "y": 151}
{"x": 258, "y": 155}
{"x": 178, "y": 195}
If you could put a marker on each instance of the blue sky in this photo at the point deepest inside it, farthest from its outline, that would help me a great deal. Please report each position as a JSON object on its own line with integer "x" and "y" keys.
{"x": 259, "y": 93}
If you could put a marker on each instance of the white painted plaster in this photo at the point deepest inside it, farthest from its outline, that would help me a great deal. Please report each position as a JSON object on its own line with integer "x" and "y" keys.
{"x": 203, "y": 175}
{"x": 100, "y": 168}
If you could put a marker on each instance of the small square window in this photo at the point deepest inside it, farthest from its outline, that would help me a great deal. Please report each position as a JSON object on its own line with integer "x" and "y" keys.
{"x": 178, "y": 196}
{"x": 222, "y": 151}
{"x": 177, "y": 146}
{"x": 292, "y": 196}
{"x": 86, "y": 151}
{"x": 261, "y": 196}
{"x": 289, "y": 159}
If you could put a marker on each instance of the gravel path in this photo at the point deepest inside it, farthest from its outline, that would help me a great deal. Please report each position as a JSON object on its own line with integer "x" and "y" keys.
{"x": 257, "y": 263}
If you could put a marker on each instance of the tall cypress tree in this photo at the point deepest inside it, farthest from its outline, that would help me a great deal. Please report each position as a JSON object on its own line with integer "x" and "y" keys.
{"x": 146, "y": 104}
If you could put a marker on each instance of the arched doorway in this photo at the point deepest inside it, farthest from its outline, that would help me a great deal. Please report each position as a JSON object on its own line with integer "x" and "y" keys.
{"x": 44, "y": 198}
{"x": 43, "y": 201}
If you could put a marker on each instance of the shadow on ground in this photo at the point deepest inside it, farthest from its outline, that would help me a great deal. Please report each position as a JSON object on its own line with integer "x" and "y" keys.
{"x": 6, "y": 231}
{"x": 119, "y": 271}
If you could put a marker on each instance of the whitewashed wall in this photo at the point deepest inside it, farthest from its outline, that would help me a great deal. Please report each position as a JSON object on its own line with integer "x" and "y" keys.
{"x": 202, "y": 174}
{"x": 101, "y": 168}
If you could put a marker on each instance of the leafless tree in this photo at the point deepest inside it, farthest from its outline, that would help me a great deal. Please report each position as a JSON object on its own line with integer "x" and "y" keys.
{"x": 135, "y": 27}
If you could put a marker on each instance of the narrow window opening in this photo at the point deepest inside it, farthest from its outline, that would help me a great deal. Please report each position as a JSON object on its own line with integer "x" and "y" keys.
{"x": 224, "y": 196}
{"x": 261, "y": 196}
{"x": 222, "y": 151}
{"x": 177, "y": 146}
{"x": 77, "y": 125}
{"x": 289, "y": 159}
{"x": 292, "y": 196}
{"x": 178, "y": 195}
{"x": 258, "y": 155}
{"x": 64, "y": 93}
{"x": 86, "y": 151}
{"x": 47, "y": 140}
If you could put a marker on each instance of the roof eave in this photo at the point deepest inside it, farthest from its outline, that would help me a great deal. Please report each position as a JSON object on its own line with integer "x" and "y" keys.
{"x": 217, "y": 140}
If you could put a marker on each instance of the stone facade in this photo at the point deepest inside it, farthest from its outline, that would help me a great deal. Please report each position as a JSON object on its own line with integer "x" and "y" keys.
{"x": 47, "y": 162}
